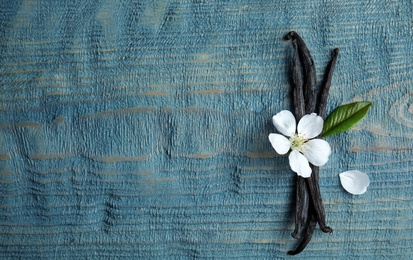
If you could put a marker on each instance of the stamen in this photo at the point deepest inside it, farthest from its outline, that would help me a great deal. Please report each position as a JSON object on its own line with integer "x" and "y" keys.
{"x": 296, "y": 142}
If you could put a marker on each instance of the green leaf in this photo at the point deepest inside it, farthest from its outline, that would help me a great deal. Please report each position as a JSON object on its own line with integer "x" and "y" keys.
{"x": 345, "y": 117}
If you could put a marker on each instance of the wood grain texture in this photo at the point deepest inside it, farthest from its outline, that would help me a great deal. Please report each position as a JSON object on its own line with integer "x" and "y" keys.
{"x": 138, "y": 129}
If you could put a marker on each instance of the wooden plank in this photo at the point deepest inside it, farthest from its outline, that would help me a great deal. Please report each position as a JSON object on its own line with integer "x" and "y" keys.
{"x": 138, "y": 129}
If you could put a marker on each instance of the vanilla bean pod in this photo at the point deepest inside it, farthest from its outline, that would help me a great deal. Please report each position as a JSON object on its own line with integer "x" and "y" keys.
{"x": 310, "y": 100}
{"x": 299, "y": 102}
{"x": 313, "y": 180}
{"x": 310, "y": 227}
{"x": 327, "y": 84}
{"x": 309, "y": 205}
{"x": 309, "y": 72}
{"x": 316, "y": 199}
{"x": 302, "y": 197}
{"x": 302, "y": 204}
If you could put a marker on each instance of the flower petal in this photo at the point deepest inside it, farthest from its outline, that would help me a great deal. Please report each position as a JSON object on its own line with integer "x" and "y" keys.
{"x": 280, "y": 143}
{"x": 310, "y": 126}
{"x": 285, "y": 122}
{"x": 299, "y": 164}
{"x": 355, "y": 182}
{"x": 316, "y": 151}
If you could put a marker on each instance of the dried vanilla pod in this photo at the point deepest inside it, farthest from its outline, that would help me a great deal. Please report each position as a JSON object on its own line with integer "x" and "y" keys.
{"x": 309, "y": 205}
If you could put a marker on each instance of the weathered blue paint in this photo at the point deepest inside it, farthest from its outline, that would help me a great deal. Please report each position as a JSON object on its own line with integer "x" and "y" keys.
{"x": 138, "y": 129}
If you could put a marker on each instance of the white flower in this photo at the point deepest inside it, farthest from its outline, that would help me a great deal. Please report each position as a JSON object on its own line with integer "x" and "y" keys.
{"x": 301, "y": 141}
{"x": 355, "y": 182}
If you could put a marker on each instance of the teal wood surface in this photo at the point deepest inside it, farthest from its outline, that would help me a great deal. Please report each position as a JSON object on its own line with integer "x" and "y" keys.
{"x": 138, "y": 129}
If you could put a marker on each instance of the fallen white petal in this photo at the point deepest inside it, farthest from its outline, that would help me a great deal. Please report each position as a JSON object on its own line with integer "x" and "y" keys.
{"x": 316, "y": 151}
{"x": 285, "y": 122}
{"x": 310, "y": 126}
{"x": 355, "y": 182}
{"x": 280, "y": 143}
{"x": 299, "y": 164}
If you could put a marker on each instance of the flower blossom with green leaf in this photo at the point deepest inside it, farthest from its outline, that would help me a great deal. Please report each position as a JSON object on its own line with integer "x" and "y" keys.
{"x": 301, "y": 140}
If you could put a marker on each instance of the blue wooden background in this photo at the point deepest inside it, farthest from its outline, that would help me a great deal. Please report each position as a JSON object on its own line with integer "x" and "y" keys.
{"x": 138, "y": 129}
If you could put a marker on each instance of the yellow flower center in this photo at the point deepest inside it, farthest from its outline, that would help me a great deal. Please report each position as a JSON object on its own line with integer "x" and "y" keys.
{"x": 296, "y": 142}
